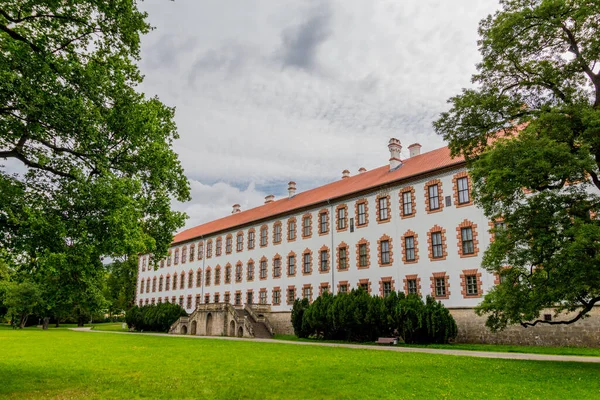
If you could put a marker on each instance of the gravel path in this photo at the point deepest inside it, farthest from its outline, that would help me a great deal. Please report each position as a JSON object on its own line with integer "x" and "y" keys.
{"x": 468, "y": 353}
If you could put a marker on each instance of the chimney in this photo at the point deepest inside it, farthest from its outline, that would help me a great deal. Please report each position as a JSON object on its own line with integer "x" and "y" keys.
{"x": 361, "y": 170}
{"x": 236, "y": 209}
{"x": 269, "y": 199}
{"x": 345, "y": 174}
{"x": 414, "y": 150}
{"x": 395, "y": 149}
{"x": 292, "y": 189}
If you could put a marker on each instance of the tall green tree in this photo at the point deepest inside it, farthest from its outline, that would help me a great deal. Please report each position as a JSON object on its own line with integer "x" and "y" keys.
{"x": 96, "y": 168}
{"x": 121, "y": 284}
{"x": 530, "y": 130}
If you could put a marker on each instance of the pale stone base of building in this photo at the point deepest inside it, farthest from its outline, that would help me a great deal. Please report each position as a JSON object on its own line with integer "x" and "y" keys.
{"x": 583, "y": 333}
{"x": 472, "y": 329}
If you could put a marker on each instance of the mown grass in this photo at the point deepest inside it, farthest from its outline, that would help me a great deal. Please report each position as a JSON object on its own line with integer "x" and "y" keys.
{"x": 566, "y": 351}
{"x": 66, "y": 364}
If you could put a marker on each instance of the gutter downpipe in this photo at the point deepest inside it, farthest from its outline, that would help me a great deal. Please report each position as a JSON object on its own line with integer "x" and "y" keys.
{"x": 333, "y": 258}
{"x": 203, "y": 270}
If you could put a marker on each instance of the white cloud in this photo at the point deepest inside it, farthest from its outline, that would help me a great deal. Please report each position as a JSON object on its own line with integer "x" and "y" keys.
{"x": 270, "y": 91}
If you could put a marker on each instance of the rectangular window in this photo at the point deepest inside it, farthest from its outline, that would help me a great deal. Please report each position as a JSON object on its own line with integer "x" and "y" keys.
{"x": 343, "y": 288}
{"x": 263, "y": 237}
{"x": 168, "y": 283}
{"x": 239, "y": 242}
{"x": 385, "y": 251}
{"x": 238, "y": 299}
{"x": 324, "y": 261}
{"x": 175, "y": 282}
{"x": 209, "y": 249}
{"x": 306, "y": 263}
{"x": 463, "y": 190}
{"x": 250, "y": 271}
{"x": 249, "y": 297}
{"x": 263, "y": 270}
{"x": 276, "y": 296}
{"x": 183, "y": 254}
{"x": 197, "y": 300}
{"x": 499, "y": 225}
{"x": 250, "y": 240}
{"x": 306, "y": 292}
{"x": 306, "y": 226}
{"x": 182, "y": 282}
{"x": 383, "y": 209}
{"x": 436, "y": 245}
{"x": 226, "y": 298}
{"x": 277, "y": 267}
{"x": 291, "y": 295}
{"x": 364, "y": 286}
{"x": 262, "y": 297}
{"x": 291, "y": 265}
{"x": 181, "y": 302}
{"x": 387, "y": 288}
{"x": 362, "y": 253}
{"x": 407, "y": 205}
{"x": 207, "y": 298}
{"x": 192, "y": 253}
{"x": 292, "y": 230}
{"x": 343, "y": 257}
{"x": 471, "y": 281}
{"x": 228, "y": 244}
{"x": 190, "y": 280}
{"x": 362, "y": 214}
{"x": 228, "y": 274}
{"x": 176, "y": 261}
{"x": 409, "y": 248}
{"x": 323, "y": 222}
{"x": 277, "y": 236}
{"x": 434, "y": 199}
{"x": 467, "y": 240}
{"x": 341, "y": 218}
{"x": 207, "y": 278}
{"x": 440, "y": 287}
{"x": 169, "y": 260}
{"x": 238, "y": 273}
{"x": 219, "y": 247}
{"x": 200, "y": 250}
{"x": 217, "y": 297}
{"x": 218, "y": 276}
{"x": 412, "y": 286}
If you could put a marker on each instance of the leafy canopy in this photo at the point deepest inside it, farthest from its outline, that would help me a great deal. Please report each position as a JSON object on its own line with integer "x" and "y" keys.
{"x": 539, "y": 76}
{"x": 96, "y": 168}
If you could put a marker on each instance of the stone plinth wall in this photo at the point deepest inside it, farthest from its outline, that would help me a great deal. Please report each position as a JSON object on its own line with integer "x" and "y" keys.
{"x": 472, "y": 329}
{"x": 585, "y": 332}
{"x": 281, "y": 322}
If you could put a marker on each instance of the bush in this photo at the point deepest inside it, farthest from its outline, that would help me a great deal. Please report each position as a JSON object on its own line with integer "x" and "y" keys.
{"x": 156, "y": 317}
{"x": 357, "y": 316}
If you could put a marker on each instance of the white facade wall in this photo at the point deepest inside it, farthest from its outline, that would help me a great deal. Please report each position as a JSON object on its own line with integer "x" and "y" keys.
{"x": 453, "y": 265}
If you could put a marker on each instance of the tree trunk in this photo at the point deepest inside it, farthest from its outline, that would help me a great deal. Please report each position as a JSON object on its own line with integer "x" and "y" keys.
{"x": 45, "y": 323}
{"x": 23, "y": 321}
{"x": 80, "y": 321}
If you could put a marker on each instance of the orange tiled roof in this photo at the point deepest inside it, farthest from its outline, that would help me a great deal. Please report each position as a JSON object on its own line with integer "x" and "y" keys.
{"x": 411, "y": 167}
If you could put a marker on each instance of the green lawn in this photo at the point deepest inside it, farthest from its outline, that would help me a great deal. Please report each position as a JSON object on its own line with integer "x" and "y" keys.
{"x": 65, "y": 364}
{"x": 565, "y": 351}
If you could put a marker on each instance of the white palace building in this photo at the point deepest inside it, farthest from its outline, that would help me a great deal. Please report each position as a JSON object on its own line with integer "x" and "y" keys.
{"x": 409, "y": 226}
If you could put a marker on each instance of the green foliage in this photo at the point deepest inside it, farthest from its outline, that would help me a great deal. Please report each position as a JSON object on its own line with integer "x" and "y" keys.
{"x": 358, "y": 317}
{"x": 538, "y": 71}
{"x": 99, "y": 168}
{"x": 121, "y": 284}
{"x": 21, "y": 300}
{"x": 156, "y": 318}
{"x": 298, "y": 310}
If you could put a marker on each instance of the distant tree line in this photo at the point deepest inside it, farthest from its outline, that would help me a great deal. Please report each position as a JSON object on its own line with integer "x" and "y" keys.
{"x": 359, "y": 317}
{"x": 74, "y": 293}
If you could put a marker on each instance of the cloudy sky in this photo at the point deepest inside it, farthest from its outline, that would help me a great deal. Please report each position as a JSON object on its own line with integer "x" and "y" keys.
{"x": 269, "y": 91}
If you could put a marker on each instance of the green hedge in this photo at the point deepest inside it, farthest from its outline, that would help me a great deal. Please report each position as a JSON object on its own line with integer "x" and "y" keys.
{"x": 155, "y": 318}
{"x": 359, "y": 317}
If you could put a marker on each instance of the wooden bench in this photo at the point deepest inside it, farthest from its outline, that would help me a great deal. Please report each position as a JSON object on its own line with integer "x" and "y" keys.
{"x": 387, "y": 340}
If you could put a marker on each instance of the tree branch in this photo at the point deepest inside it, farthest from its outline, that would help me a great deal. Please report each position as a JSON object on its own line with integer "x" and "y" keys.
{"x": 20, "y": 38}
{"x": 587, "y": 307}
{"x": 32, "y": 164}
{"x": 29, "y": 17}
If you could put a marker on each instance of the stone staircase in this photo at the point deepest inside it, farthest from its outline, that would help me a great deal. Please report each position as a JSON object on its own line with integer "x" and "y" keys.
{"x": 259, "y": 328}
